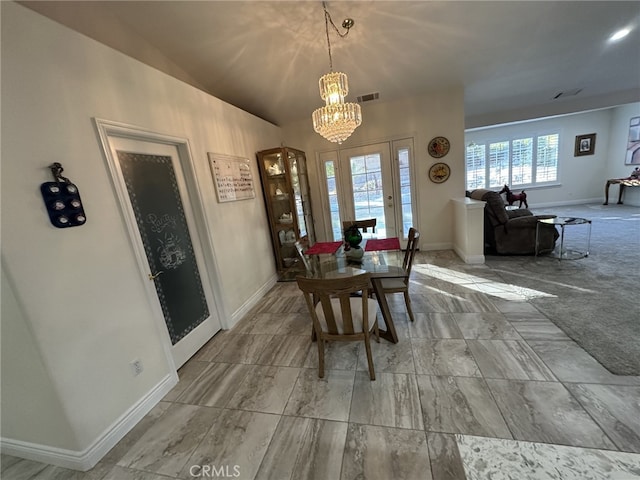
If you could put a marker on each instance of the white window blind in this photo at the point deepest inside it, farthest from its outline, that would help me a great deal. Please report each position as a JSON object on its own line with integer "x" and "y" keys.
{"x": 522, "y": 161}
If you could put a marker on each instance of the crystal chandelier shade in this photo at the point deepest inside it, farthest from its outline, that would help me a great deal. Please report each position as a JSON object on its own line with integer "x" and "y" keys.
{"x": 337, "y": 120}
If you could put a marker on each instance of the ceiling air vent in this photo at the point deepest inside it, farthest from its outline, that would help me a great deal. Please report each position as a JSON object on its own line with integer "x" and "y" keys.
{"x": 568, "y": 93}
{"x": 368, "y": 97}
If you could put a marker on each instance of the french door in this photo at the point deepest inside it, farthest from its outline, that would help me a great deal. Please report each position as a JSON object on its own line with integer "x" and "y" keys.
{"x": 372, "y": 181}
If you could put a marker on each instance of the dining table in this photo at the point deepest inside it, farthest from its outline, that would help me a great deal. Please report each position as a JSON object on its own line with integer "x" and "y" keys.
{"x": 381, "y": 264}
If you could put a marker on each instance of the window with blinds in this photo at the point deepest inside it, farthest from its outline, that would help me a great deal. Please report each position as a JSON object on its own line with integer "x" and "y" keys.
{"x": 517, "y": 162}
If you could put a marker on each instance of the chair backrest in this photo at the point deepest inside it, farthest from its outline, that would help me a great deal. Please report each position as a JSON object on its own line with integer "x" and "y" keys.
{"x": 412, "y": 245}
{"x": 303, "y": 257}
{"x": 494, "y": 208}
{"x": 338, "y": 303}
{"x": 362, "y": 224}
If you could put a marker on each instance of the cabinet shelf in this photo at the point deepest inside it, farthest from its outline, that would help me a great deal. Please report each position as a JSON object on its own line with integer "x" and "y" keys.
{"x": 293, "y": 199}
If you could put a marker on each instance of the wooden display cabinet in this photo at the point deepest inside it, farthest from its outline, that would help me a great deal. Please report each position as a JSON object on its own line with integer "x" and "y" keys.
{"x": 285, "y": 185}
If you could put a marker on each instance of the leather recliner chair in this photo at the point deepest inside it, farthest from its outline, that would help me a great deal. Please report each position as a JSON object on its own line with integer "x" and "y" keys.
{"x": 513, "y": 232}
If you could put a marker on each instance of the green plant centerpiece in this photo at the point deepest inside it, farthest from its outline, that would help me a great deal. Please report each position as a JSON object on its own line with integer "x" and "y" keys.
{"x": 353, "y": 239}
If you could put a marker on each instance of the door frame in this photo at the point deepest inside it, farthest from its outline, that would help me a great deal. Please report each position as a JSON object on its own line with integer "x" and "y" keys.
{"x": 406, "y": 141}
{"x": 210, "y": 274}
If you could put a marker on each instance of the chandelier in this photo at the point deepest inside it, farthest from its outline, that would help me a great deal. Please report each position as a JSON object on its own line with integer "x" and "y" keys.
{"x": 337, "y": 120}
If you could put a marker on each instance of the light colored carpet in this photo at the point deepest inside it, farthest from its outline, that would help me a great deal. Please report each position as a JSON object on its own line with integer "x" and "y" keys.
{"x": 597, "y": 300}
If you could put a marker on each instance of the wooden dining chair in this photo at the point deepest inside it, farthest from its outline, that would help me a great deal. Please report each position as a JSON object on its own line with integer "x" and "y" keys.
{"x": 339, "y": 316}
{"x": 401, "y": 285}
{"x": 364, "y": 225}
{"x": 303, "y": 257}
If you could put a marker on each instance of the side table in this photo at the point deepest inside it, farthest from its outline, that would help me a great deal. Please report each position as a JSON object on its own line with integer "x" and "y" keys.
{"x": 623, "y": 182}
{"x": 562, "y": 222}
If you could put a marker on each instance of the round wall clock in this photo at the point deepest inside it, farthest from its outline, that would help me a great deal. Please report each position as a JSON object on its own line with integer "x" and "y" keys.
{"x": 438, "y": 147}
{"x": 439, "y": 172}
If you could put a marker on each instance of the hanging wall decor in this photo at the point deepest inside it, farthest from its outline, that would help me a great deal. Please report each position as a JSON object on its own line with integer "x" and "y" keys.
{"x": 232, "y": 177}
{"x": 438, "y": 147}
{"x": 585, "y": 145}
{"x": 633, "y": 144}
{"x": 439, "y": 172}
{"x": 62, "y": 200}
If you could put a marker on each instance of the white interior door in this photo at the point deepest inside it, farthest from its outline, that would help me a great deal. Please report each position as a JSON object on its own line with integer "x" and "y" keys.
{"x": 152, "y": 190}
{"x": 366, "y": 177}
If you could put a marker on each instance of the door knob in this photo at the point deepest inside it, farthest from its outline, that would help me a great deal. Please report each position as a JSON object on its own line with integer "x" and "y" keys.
{"x": 154, "y": 276}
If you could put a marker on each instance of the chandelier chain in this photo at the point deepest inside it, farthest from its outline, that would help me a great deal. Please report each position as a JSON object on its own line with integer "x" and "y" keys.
{"x": 327, "y": 20}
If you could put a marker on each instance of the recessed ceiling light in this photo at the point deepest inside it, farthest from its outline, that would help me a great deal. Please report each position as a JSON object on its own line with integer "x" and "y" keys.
{"x": 620, "y": 34}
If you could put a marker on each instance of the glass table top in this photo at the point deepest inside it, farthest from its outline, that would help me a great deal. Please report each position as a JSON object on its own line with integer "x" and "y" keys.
{"x": 386, "y": 264}
{"x": 565, "y": 221}
{"x": 383, "y": 264}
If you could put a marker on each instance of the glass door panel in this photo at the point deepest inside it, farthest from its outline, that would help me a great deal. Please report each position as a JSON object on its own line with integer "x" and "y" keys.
{"x": 369, "y": 179}
{"x": 366, "y": 185}
{"x": 332, "y": 194}
{"x": 406, "y": 197}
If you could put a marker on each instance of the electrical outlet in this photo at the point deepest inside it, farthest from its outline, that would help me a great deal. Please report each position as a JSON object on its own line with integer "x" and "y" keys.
{"x": 136, "y": 367}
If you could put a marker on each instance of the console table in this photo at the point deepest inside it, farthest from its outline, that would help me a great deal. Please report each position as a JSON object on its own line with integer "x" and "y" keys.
{"x": 623, "y": 182}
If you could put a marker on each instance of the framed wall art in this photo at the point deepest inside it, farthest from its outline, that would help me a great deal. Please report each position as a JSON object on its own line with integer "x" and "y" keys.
{"x": 633, "y": 145}
{"x": 585, "y": 145}
{"x": 232, "y": 177}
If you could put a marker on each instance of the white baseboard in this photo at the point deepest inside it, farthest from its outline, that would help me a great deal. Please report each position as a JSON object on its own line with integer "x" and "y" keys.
{"x": 435, "y": 246}
{"x": 87, "y": 459}
{"x": 470, "y": 259}
{"x": 252, "y": 301}
{"x": 568, "y": 202}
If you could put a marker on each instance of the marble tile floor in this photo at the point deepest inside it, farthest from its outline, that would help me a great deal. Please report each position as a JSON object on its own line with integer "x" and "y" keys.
{"x": 479, "y": 387}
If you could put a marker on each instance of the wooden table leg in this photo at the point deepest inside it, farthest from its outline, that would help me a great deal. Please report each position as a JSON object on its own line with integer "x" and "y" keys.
{"x": 390, "y": 333}
{"x": 606, "y": 193}
{"x": 620, "y": 194}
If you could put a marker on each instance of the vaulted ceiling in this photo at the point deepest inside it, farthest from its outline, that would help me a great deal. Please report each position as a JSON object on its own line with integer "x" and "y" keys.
{"x": 266, "y": 57}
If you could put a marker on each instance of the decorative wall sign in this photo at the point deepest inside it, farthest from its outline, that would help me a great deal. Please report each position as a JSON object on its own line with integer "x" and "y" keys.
{"x": 232, "y": 177}
{"x": 438, "y": 147}
{"x": 62, "y": 200}
{"x": 439, "y": 172}
{"x": 585, "y": 145}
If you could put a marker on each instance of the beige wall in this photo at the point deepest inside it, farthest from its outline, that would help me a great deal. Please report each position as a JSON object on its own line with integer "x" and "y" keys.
{"x": 422, "y": 118}
{"x": 84, "y": 309}
{"x": 29, "y": 398}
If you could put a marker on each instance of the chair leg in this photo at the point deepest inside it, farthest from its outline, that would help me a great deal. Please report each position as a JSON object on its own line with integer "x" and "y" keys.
{"x": 407, "y": 301}
{"x": 367, "y": 346}
{"x": 376, "y": 330}
{"x": 320, "y": 357}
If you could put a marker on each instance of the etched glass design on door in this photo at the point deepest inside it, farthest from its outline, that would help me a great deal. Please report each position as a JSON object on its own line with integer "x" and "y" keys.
{"x": 368, "y": 197}
{"x": 159, "y": 212}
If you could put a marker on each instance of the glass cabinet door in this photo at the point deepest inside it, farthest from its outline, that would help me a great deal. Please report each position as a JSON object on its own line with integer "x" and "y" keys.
{"x": 300, "y": 187}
